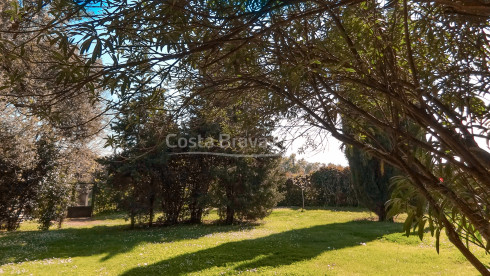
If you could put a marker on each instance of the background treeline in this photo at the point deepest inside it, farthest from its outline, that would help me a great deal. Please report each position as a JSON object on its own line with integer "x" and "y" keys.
{"x": 317, "y": 184}
{"x": 186, "y": 187}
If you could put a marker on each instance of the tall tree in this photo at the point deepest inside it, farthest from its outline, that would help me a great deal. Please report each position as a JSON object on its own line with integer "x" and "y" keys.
{"x": 370, "y": 175}
{"x": 371, "y": 180}
{"x": 45, "y": 125}
{"x": 246, "y": 186}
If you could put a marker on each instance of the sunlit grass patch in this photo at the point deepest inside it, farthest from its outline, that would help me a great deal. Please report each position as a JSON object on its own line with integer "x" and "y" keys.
{"x": 289, "y": 242}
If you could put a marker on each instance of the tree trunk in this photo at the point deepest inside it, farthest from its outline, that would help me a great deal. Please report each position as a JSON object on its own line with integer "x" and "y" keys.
{"x": 60, "y": 221}
{"x": 94, "y": 191}
{"x": 152, "y": 202}
{"x": 454, "y": 238}
{"x": 196, "y": 215}
{"x": 230, "y": 215}
{"x": 303, "y": 198}
{"x": 132, "y": 218}
{"x": 381, "y": 214}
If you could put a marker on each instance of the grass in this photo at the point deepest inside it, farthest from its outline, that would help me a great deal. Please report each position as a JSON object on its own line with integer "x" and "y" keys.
{"x": 289, "y": 242}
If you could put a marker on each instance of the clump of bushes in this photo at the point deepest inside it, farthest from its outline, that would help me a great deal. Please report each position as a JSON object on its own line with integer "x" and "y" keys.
{"x": 327, "y": 186}
{"x": 184, "y": 188}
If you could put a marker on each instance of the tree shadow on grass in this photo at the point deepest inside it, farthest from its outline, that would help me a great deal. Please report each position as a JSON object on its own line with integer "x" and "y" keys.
{"x": 107, "y": 240}
{"x": 276, "y": 250}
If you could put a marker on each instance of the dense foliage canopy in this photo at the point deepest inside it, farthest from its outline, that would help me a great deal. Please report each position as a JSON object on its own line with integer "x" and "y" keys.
{"x": 415, "y": 70}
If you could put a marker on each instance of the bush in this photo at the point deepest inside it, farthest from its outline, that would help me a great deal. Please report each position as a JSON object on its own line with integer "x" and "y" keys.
{"x": 246, "y": 189}
{"x": 328, "y": 186}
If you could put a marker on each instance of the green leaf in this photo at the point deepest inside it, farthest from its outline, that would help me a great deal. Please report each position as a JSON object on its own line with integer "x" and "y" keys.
{"x": 85, "y": 46}
{"x": 431, "y": 226}
{"x": 97, "y": 51}
{"x": 421, "y": 228}
{"x": 408, "y": 223}
{"x": 438, "y": 235}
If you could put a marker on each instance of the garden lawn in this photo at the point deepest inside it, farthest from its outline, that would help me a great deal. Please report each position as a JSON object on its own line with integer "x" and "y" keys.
{"x": 288, "y": 242}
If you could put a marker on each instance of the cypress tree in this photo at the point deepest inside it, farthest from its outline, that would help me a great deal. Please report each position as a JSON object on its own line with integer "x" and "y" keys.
{"x": 370, "y": 180}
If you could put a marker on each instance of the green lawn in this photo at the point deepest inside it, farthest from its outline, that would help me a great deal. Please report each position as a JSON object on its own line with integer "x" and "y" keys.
{"x": 289, "y": 242}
